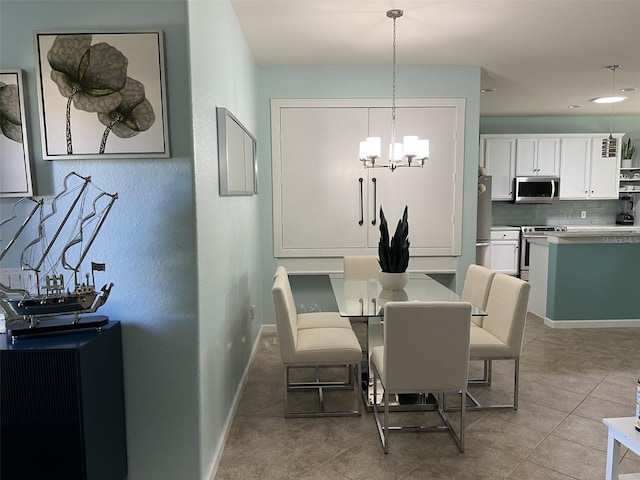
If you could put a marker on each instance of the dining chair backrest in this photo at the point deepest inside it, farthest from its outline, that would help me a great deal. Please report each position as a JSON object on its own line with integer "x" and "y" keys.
{"x": 360, "y": 265}
{"x": 426, "y": 345}
{"x": 476, "y": 288}
{"x": 286, "y": 317}
{"x": 507, "y": 310}
{"x": 280, "y": 270}
{"x": 477, "y": 284}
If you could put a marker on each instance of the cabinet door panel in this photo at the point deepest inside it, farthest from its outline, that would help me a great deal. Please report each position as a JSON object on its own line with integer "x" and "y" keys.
{"x": 574, "y": 168}
{"x": 499, "y": 160}
{"x": 320, "y": 187}
{"x": 504, "y": 257}
{"x": 605, "y": 173}
{"x": 548, "y": 156}
{"x": 526, "y": 157}
{"x": 429, "y": 192}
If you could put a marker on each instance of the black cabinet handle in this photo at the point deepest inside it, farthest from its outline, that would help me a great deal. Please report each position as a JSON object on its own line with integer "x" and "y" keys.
{"x": 375, "y": 191}
{"x": 361, "y": 203}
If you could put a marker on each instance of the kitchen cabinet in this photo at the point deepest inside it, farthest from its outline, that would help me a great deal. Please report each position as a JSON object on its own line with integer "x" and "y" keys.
{"x": 537, "y": 157}
{"x": 576, "y": 158}
{"x": 498, "y": 156}
{"x": 584, "y": 172}
{"x": 326, "y": 204}
{"x": 505, "y": 251}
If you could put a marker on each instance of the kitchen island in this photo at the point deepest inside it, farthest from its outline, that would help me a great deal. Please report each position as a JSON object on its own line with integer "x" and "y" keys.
{"x": 586, "y": 278}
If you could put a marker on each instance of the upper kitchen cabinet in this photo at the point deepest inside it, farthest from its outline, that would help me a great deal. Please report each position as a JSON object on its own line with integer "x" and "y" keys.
{"x": 584, "y": 172}
{"x": 577, "y": 158}
{"x": 498, "y": 156}
{"x": 326, "y": 204}
{"x": 537, "y": 157}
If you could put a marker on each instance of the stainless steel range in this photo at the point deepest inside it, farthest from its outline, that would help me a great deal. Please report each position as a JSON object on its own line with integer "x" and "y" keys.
{"x": 526, "y": 234}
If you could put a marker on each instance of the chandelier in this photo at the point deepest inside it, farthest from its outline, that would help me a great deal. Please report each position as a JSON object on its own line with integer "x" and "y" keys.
{"x": 412, "y": 151}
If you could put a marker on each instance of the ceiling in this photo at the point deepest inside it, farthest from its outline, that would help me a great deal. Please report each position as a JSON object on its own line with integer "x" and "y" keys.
{"x": 540, "y": 56}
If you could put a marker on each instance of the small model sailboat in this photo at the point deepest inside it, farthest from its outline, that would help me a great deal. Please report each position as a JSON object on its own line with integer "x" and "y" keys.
{"x": 75, "y": 216}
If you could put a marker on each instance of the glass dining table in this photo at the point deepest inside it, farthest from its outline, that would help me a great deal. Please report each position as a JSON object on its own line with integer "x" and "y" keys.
{"x": 361, "y": 298}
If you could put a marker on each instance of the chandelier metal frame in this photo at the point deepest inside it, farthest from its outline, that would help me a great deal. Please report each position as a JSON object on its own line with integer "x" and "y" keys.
{"x": 413, "y": 151}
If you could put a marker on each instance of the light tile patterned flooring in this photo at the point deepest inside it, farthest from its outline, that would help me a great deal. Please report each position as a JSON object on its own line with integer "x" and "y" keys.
{"x": 570, "y": 380}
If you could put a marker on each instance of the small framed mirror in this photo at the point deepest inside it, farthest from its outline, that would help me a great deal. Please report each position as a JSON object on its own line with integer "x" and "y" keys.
{"x": 237, "y": 163}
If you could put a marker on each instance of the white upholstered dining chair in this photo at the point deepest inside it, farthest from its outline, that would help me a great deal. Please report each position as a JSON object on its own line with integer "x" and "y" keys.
{"x": 501, "y": 334}
{"x": 360, "y": 265}
{"x": 310, "y": 319}
{"x": 477, "y": 284}
{"x": 425, "y": 350}
{"x": 316, "y": 347}
{"x": 476, "y": 287}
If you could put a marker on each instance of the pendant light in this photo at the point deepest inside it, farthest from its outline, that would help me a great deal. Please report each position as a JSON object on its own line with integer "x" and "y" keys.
{"x": 413, "y": 151}
{"x": 610, "y": 145}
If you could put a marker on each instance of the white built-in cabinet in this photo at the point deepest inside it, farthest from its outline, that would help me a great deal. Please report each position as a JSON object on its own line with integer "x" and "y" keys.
{"x": 576, "y": 158}
{"x": 326, "y": 204}
{"x": 505, "y": 248}
{"x": 537, "y": 157}
{"x": 498, "y": 156}
{"x": 584, "y": 172}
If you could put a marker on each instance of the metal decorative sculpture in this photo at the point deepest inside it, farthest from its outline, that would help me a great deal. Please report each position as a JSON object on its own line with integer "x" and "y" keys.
{"x": 63, "y": 231}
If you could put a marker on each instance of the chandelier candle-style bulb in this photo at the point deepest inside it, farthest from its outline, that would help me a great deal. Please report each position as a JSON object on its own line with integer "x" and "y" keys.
{"x": 423, "y": 149}
{"x": 410, "y": 145}
{"x": 370, "y": 148}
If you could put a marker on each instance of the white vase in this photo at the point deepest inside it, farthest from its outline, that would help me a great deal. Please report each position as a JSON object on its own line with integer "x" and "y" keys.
{"x": 625, "y": 163}
{"x": 393, "y": 281}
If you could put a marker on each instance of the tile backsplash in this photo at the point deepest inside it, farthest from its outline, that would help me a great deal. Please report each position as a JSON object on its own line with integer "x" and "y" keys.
{"x": 599, "y": 212}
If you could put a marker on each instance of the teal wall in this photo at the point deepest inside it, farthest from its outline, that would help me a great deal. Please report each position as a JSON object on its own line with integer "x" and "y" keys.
{"x": 222, "y": 74}
{"x": 629, "y": 124}
{"x": 366, "y": 82}
{"x": 594, "y": 281}
{"x": 182, "y": 369}
{"x": 148, "y": 242}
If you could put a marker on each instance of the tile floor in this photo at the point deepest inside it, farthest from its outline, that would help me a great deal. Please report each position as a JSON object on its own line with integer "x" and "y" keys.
{"x": 570, "y": 380}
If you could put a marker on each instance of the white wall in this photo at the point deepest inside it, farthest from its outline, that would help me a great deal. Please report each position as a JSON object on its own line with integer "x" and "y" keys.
{"x": 222, "y": 74}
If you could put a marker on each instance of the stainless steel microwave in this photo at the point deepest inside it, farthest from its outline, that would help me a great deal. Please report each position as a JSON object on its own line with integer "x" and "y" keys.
{"x": 536, "y": 189}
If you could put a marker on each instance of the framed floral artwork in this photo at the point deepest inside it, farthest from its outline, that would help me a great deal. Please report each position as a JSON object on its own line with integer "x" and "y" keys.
{"x": 102, "y": 94}
{"x": 15, "y": 166}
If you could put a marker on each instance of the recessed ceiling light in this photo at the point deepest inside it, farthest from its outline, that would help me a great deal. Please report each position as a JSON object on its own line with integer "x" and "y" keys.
{"x": 630, "y": 89}
{"x": 575, "y": 106}
{"x": 612, "y": 99}
{"x": 487, "y": 90}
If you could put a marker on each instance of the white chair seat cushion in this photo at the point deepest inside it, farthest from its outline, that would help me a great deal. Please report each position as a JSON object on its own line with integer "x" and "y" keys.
{"x": 482, "y": 344}
{"x": 327, "y": 346}
{"x": 322, "y": 320}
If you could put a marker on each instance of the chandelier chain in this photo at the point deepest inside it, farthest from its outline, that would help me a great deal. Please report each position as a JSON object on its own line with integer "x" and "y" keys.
{"x": 393, "y": 92}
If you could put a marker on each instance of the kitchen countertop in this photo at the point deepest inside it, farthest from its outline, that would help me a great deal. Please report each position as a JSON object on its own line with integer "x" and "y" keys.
{"x": 602, "y": 228}
{"x": 629, "y": 235}
{"x": 498, "y": 228}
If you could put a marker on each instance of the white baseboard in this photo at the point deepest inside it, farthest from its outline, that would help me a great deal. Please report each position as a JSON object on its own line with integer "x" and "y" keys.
{"x": 236, "y": 399}
{"x": 269, "y": 328}
{"x": 631, "y": 322}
